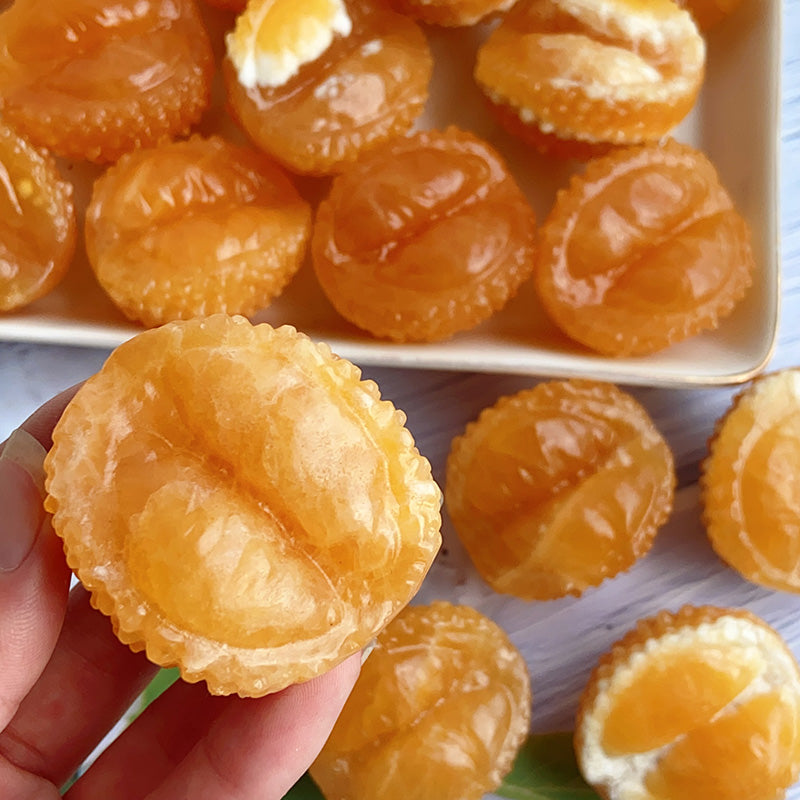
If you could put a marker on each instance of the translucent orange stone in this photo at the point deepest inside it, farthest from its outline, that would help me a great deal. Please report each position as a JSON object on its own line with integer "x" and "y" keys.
{"x": 642, "y": 250}
{"x": 366, "y": 88}
{"x": 556, "y": 488}
{"x": 37, "y": 222}
{"x": 696, "y": 704}
{"x": 751, "y": 488}
{"x": 196, "y": 227}
{"x": 441, "y": 708}
{"x": 92, "y": 80}
{"x": 451, "y": 13}
{"x": 709, "y": 13}
{"x": 423, "y": 237}
{"x": 592, "y": 72}
{"x": 197, "y": 482}
{"x": 230, "y": 5}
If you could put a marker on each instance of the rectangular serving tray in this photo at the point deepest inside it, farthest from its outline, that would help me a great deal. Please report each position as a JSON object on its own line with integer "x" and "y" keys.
{"x": 736, "y": 123}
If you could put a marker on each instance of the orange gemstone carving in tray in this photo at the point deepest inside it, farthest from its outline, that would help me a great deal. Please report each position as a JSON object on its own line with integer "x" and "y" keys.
{"x": 741, "y": 92}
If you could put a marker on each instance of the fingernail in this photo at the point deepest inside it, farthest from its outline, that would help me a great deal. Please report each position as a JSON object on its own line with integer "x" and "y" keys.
{"x": 368, "y": 648}
{"x": 25, "y": 450}
{"x": 21, "y": 494}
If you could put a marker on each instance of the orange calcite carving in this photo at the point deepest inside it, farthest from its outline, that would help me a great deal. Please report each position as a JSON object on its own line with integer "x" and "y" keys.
{"x": 240, "y": 503}
{"x": 441, "y": 708}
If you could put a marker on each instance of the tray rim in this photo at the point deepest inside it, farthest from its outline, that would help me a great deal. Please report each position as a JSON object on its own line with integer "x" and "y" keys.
{"x": 33, "y": 328}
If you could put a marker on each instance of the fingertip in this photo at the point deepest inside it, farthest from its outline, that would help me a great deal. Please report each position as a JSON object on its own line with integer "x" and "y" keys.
{"x": 34, "y": 584}
{"x": 40, "y": 424}
{"x": 327, "y": 693}
{"x": 24, "y": 525}
{"x": 34, "y": 577}
{"x": 27, "y": 452}
{"x": 346, "y": 674}
{"x": 23, "y": 514}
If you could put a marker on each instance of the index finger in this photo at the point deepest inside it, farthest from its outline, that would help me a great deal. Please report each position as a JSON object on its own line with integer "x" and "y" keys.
{"x": 34, "y": 578}
{"x": 40, "y": 424}
{"x": 62, "y": 685}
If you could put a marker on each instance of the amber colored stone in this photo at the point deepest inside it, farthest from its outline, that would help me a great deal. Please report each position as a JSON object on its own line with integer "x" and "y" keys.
{"x": 440, "y": 710}
{"x": 89, "y": 80}
{"x": 593, "y": 71}
{"x": 364, "y": 89}
{"x": 750, "y": 483}
{"x": 642, "y": 250}
{"x": 423, "y": 237}
{"x": 709, "y": 13}
{"x": 192, "y": 228}
{"x": 452, "y": 13}
{"x": 696, "y": 704}
{"x": 229, "y": 5}
{"x": 556, "y": 488}
{"x": 240, "y": 503}
{"x": 37, "y": 221}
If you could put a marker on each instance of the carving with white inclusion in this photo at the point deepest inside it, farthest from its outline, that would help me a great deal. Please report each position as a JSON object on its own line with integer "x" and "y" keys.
{"x": 258, "y": 67}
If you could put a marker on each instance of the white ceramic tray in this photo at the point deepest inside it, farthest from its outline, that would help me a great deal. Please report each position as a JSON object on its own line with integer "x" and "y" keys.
{"x": 736, "y": 122}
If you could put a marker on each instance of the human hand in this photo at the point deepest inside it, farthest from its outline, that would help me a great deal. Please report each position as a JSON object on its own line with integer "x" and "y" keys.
{"x": 65, "y": 680}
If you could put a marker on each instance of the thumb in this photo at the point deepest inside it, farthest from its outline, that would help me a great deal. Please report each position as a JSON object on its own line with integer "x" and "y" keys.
{"x": 34, "y": 579}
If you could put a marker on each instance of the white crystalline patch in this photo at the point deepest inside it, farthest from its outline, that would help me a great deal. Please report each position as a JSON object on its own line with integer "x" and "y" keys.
{"x": 478, "y": 16}
{"x": 612, "y": 17}
{"x": 615, "y": 66}
{"x": 599, "y": 72}
{"x": 627, "y": 772}
{"x": 329, "y": 89}
{"x": 371, "y": 47}
{"x": 614, "y": 20}
{"x": 256, "y": 67}
{"x": 777, "y": 386}
{"x": 606, "y": 72}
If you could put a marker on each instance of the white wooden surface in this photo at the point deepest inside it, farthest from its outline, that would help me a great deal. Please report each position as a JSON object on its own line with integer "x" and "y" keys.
{"x": 561, "y": 639}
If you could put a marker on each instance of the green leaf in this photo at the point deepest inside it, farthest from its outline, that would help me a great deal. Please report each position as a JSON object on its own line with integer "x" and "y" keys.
{"x": 304, "y": 789}
{"x": 163, "y": 679}
{"x": 161, "y": 682}
{"x": 546, "y": 769}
